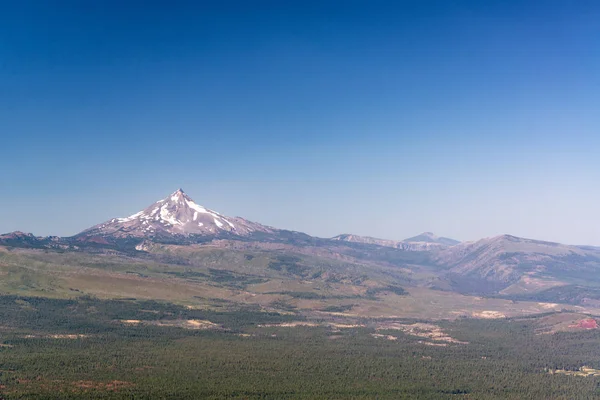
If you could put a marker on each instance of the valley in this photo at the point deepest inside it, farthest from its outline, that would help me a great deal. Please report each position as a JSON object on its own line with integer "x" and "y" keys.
{"x": 141, "y": 305}
{"x": 178, "y": 251}
{"x": 282, "y": 281}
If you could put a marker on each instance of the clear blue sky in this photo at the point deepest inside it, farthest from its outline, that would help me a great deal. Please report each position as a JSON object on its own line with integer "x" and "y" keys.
{"x": 466, "y": 118}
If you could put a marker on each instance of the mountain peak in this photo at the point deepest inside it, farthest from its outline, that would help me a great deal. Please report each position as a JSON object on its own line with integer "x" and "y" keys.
{"x": 178, "y": 196}
{"x": 430, "y": 237}
{"x": 403, "y": 245}
{"x": 508, "y": 237}
{"x": 176, "y": 214}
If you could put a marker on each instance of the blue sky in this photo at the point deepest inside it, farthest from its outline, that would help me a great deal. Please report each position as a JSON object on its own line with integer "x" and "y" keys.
{"x": 466, "y": 118}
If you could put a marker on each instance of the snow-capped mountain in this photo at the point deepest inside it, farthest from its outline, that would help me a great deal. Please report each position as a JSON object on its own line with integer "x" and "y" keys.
{"x": 176, "y": 214}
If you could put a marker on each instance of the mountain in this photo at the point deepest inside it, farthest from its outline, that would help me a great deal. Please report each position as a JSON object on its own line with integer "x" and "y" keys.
{"x": 415, "y": 246}
{"x": 429, "y": 237}
{"x": 424, "y": 242}
{"x": 22, "y": 239}
{"x": 512, "y": 264}
{"x": 499, "y": 266}
{"x": 174, "y": 216}
{"x": 176, "y": 231}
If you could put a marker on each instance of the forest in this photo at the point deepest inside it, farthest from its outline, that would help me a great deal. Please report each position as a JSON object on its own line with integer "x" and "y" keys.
{"x": 122, "y": 349}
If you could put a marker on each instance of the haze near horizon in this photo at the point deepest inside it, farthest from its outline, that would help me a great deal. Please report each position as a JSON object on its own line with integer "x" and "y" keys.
{"x": 384, "y": 119}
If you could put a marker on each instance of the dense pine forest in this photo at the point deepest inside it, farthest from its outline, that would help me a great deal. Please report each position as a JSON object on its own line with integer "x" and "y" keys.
{"x": 97, "y": 349}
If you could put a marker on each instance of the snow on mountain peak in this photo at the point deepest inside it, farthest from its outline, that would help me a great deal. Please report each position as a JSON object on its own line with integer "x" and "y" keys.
{"x": 179, "y": 196}
{"x": 177, "y": 214}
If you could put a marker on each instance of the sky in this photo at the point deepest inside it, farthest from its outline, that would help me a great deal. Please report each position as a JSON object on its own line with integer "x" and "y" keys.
{"x": 381, "y": 118}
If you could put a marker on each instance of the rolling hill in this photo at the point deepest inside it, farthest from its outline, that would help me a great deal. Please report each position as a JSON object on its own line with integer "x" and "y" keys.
{"x": 175, "y": 241}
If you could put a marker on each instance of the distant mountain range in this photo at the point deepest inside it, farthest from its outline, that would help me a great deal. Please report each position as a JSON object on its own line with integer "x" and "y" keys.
{"x": 178, "y": 217}
{"x": 424, "y": 242}
{"x": 501, "y": 266}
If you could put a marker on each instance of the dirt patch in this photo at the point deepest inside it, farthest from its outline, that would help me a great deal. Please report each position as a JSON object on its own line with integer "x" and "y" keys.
{"x": 488, "y": 314}
{"x": 549, "y": 306}
{"x": 347, "y": 326}
{"x": 427, "y": 331}
{"x": 433, "y": 344}
{"x": 380, "y": 336}
{"x": 69, "y": 336}
{"x": 57, "y": 336}
{"x": 289, "y": 325}
{"x": 182, "y": 323}
{"x": 583, "y": 371}
{"x": 588, "y": 323}
{"x": 334, "y": 326}
{"x": 565, "y": 322}
{"x": 200, "y": 324}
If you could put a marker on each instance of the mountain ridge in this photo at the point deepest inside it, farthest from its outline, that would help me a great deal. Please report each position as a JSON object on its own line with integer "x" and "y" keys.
{"x": 430, "y": 237}
{"x": 429, "y": 242}
{"x": 506, "y": 261}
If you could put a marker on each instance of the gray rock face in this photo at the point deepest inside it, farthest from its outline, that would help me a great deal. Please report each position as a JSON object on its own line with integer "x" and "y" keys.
{"x": 177, "y": 214}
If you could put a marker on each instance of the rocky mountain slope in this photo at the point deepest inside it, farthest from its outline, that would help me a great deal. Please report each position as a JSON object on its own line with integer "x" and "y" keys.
{"x": 175, "y": 215}
{"x": 502, "y": 261}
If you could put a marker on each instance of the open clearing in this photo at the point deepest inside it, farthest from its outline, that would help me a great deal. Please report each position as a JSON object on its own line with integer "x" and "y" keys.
{"x": 583, "y": 371}
{"x": 421, "y": 330}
